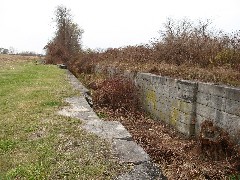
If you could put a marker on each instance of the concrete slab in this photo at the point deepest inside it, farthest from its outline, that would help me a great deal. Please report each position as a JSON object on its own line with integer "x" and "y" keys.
{"x": 107, "y": 129}
{"x": 146, "y": 170}
{"x": 129, "y": 152}
{"x": 75, "y": 83}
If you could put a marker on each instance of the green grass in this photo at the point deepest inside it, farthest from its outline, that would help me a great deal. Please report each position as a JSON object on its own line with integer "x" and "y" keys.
{"x": 35, "y": 142}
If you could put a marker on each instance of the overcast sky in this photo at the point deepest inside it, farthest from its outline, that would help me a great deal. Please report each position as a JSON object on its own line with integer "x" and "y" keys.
{"x": 27, "y": 25}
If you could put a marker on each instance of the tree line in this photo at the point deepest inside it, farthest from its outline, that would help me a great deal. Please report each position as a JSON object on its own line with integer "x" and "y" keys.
{"x": 4, "y": 51}
{"x": 12, "y": 51}
{"x": 180, "y": 42}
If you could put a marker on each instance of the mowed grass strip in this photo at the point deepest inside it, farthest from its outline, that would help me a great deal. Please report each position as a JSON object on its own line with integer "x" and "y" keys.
{"x": 35, "y": 142}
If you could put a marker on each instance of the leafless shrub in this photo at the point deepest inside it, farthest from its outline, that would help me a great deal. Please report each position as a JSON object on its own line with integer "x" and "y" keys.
{"x": 215, "y": 143}
{"x": 66, "y": 44}
{"x": 184, "y": 42}
{"x": 118, "y": 94}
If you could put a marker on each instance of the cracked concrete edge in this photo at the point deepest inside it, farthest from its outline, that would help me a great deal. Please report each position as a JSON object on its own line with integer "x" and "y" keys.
{"x": 123, "y": 146}
{"x": 107, "y": 129}
{"x": 145, "y": 170}
{"x": 75, "y": 83}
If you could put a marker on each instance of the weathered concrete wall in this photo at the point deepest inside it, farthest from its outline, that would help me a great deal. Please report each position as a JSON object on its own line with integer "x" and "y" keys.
{"x": 220, "y": 104}
{"x": 186, "y": 104}
{"x": 170, "y": 100}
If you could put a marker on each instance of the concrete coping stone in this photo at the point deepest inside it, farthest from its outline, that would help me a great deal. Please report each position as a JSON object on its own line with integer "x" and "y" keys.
{"x": 146, "y": 170}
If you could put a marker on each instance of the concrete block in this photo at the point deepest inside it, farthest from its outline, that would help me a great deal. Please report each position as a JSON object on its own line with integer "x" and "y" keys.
{"x": 217, "y": 102}
{"x": 154, "y": 79}
{"x": 186, "y": 129}
{"x": 206, "y": 111}
{"x": 161, "y": 80}
{"x": 171, "y": 100}
{"x": 180, "y": 102}
{"x": 232, "y": 107}
{"x": 144, "y": 77}
{"x": 218, "y": 121}
{"x": 186, "y": 96}
{"x": 162, "y": 99}
{"x": 231, "y": 124}
{"x": 177, "y": 115}
{"x": 233, "y": 93}
{"x": 187, "y": 90}
{"x": 173, "y": 92}
{"x": 151, "y": 98}
{"x": 167, "y": 108}
{"x": 75, "y": 83}
{"x": 199, "y": 120}
{"x": 107, "y": 129}
{"x": 203, "y": 98}
{"x": 228, "y": 122}
{"x": 219, "y": 118}
{"x": 163, "y": 116}
{"x": 171, "y": 82}
{"x": 129, "y": 152}
{"x": 184, "y": 106}
{"x": 166, "y": 90}
{"x": 163, "y": 112}
{"x": 212, "y": 89}
{"x": 186, "y": 118}
{"x": 189, "y": 86}
{"x": 159, "y": 90}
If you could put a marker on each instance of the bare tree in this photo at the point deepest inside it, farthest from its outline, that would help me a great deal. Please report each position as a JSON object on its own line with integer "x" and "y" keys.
{"x": 66, "y": 44}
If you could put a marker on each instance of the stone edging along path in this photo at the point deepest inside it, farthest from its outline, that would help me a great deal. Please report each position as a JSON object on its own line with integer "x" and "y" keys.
{"x": 125, "y": 149}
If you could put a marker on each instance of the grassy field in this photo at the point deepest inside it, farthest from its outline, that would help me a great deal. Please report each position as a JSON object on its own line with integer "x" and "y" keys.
{"x": 35, "y": 142}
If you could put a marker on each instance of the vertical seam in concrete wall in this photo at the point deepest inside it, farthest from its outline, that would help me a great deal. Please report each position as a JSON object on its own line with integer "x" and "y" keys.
{"x": 195, "y": 92}
{"x": 185, "y": 104}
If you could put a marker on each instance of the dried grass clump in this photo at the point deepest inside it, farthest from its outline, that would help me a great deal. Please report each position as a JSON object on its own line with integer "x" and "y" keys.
{"x": 184, "y": 50}
{"x": 118, "y": 94}
{"x": 184, "y": 42}
{"x": 215, "y": 144}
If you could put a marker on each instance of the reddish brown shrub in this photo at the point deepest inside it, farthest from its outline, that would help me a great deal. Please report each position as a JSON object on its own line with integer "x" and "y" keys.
{"x": 215, "y": 143}
{"x": 66, "y": 44}
{"x": 117, "y": 93}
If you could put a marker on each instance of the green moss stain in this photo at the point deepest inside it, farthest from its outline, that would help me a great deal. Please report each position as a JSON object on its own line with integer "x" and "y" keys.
{"x": 174, "y": 116}
{"x": 162, "y": 116}
{"x": 184, "y": 106}
{"x": 151, "y": 98}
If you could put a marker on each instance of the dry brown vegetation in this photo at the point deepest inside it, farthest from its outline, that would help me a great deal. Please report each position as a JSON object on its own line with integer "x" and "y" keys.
{"x": 65, "y": 45}
{"x": 180, "y": 158}
{"x": 8, "y": 60}
{"x": 184, "y": 50}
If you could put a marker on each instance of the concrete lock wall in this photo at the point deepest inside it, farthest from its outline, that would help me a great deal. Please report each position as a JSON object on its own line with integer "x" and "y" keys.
{"x": 220, "y": 104}
{"x": 170, "y": 100}
{"x": 186, "y": 104}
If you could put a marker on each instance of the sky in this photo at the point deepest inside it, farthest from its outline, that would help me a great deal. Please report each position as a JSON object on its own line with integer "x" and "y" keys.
{"x": 27, "y": 25}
